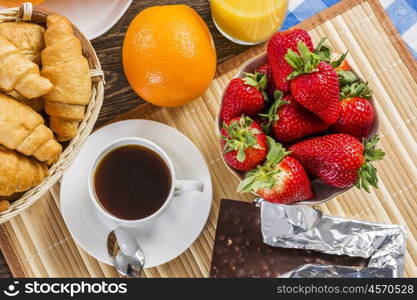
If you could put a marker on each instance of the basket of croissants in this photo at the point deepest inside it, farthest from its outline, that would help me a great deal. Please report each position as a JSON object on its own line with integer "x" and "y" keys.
{"x": 51, "y": 92}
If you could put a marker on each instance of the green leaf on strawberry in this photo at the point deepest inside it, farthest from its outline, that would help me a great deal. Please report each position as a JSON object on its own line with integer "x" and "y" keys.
{"x": 272, "y": 115}
{"x": 356, "y": 89}
{"x": 346, "y": 78}
{"x": 264, "y": 176}
{"x": 240, "y": 136}
{"x": 336, "y": 63}
{"x": 325, "y": 53}
{"x": 258, "y": 81}
{"x": 367, "y": 174}
{"x": 303, "y": 63}
{"x": 276, "y": 152}
{"x": 371, "y": 153}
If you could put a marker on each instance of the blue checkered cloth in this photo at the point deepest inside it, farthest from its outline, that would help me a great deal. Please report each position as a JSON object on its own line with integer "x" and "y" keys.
{"x": 403, "y": 14}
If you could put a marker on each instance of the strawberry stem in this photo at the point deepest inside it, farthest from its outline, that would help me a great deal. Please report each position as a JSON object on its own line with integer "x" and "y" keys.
{"x": 240, "y": 136}
{"x": 336, "y": 63}
{"x": 356, "y": 89}
{"x": 346, "y": 78}
{"x": 264, "y": 176}
{"x": 367, "y": 174}
{"x": 276, "y": 152}
{"x": 258, "y": 81}
{"x": 272, "y": 115}
{"x": 325, "y": 53}
{"x": 303, "y": 63}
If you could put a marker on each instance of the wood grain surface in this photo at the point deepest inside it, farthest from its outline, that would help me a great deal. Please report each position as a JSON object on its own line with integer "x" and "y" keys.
{"x": 118, "y": 96}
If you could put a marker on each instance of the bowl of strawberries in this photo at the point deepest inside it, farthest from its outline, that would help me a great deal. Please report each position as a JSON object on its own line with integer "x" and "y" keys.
{"x": 297, "y": 125}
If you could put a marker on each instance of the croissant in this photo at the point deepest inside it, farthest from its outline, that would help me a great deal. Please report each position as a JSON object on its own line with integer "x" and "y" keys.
{"x": 35, "y": 103}
{"x": 23, "y": 129}
{"x": 27, "y": 37}
{"x": 19, "y": 73}
{"x": 19, "y": 173}
{"x": 66, "y": 67}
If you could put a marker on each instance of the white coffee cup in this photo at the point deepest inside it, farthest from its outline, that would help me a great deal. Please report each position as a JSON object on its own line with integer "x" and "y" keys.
{"x": 178, "y": 187}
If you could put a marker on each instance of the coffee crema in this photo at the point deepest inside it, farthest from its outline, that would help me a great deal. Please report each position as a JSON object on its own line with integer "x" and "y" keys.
{"x": 132, "y": 182}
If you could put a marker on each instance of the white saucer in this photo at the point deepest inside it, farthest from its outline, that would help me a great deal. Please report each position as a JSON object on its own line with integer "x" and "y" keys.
{"x": 170, "y": 233}
{"x": 93, "y": 17}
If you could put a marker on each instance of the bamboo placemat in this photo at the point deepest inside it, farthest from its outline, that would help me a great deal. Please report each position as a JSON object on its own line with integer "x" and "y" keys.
{"x": 37, "y": 243}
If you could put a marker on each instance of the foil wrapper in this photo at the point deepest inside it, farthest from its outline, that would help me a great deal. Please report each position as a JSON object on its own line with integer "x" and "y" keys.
{"x": 303, "y": 227}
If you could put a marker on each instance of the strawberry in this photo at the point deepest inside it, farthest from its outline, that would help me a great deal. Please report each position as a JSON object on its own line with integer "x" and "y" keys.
{"x": 281, "y": 179}
{"x": 314, "y": 84}
{"x": 243, "y": 143}
{"x": 340, "y": 160}
{"x": 290, "y": 121}
{"x": 358, "y": 113}
{"x": 277, "y": 48}
{"x": 266, "y": 70}
{"x": 243, "y": 96}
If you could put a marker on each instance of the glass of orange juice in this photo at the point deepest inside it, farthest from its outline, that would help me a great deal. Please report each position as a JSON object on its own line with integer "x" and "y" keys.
{"x": 248, "y": 22}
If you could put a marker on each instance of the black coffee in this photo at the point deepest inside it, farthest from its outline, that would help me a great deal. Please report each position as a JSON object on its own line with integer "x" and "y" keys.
{"x": 132, "y": 182}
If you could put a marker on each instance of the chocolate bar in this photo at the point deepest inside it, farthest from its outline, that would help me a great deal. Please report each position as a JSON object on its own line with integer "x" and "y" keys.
{"x": 239, "y": 250}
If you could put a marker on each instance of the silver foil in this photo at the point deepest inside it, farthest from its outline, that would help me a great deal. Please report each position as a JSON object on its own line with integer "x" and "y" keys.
{"x": 303, "y": 227}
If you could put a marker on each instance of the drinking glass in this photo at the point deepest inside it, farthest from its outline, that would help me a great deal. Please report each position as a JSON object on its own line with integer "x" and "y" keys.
{"x": 248, "y": 22}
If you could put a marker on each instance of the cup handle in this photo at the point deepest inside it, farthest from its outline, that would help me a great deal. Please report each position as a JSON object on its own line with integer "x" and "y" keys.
{"x": 185, "y": 186}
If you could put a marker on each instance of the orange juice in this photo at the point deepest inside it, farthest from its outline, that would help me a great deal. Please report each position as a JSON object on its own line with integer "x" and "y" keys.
{"x": 248, "y": 21}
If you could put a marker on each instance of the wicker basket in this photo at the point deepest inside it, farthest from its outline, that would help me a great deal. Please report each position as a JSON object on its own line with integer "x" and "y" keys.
{"x": 27, "y": 12}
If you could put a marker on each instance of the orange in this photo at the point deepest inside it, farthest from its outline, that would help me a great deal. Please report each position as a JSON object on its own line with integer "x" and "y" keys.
{"x": 168, "y": 55}
{"x": 14, "y": 3}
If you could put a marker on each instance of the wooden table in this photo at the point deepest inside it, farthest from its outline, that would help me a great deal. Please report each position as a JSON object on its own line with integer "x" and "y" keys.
{"x": 119, "y": 97}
